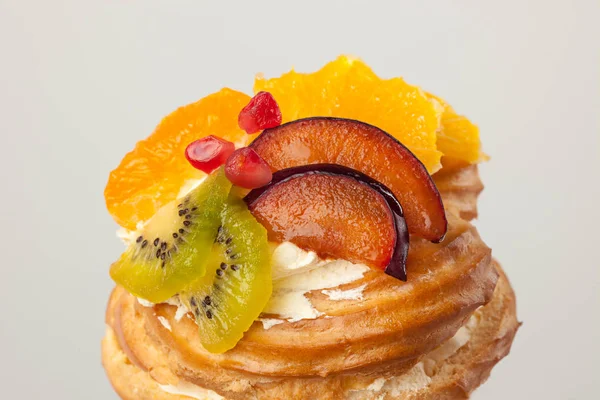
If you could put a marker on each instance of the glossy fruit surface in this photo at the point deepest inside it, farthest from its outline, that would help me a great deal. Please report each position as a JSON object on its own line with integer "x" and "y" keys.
{"x": 237, "y": 285}
{"x": 261, "y": 113}
{"x": 247, "y": 169}
{"x": 348, "y": 88}
{"x": 172, "y": 249}
{"x": 209, "y": 153}
{"x": 153, "y": 174}
{"x": 458, "y": 138}
{"x": 336, "y": 212}
{"x": 364, "y": 148}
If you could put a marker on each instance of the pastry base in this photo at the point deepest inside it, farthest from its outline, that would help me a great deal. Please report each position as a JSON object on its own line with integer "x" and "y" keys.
{"x": 453, "y": 378}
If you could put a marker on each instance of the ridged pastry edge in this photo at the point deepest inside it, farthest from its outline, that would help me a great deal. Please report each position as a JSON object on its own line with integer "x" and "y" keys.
{"x": 455, "y": 378}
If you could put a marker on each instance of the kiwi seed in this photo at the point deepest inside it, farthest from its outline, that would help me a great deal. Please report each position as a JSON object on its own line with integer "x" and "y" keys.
{"x": 166, "y": 246}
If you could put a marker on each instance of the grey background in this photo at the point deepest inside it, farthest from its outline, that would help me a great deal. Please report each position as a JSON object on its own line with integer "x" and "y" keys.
{"x": 81, "y": 82}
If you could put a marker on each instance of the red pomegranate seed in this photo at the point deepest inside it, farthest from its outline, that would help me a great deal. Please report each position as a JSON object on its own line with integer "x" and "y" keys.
{"x": 247, "y": 169}
{"x": 261, "y": 113}
{"x": 209, "y": 153}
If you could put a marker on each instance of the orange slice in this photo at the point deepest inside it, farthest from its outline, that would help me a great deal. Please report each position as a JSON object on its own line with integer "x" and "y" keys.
{"x": 348, "y": 88}
{"x": 155, "y": 171}
{"x": 458, "y": 138}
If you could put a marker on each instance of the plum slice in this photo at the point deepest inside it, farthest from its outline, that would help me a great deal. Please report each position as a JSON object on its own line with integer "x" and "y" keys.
{"x": 364, "y": 148}
{"x": 337, "y": 212}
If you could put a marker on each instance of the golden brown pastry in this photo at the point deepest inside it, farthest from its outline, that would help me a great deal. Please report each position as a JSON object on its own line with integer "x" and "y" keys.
{"x": 445, "y": 373}
{"x": 244, "y": 269}
{"x": 397, "y": 336}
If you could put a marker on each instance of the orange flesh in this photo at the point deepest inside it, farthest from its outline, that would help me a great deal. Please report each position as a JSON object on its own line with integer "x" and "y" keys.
{"x": 457, "y": 138}
{"x": 363, "y": 148}
{"x": 348, "y": 88}
{"x": 153, "y": 173}
{"x": 335, "y": 216}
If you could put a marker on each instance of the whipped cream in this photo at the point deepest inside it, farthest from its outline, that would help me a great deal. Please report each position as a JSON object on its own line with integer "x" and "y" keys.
{"x": 413, "y": 380}
{"x": 419, "y": 376}
{"x": 446, "y": 350}
{"x": 377, "y": 385}
{"x": 270, "y": 322}
{"x": 350, "y": 294}
{"x": 164, "y": 322}
{"x": 145, "y": 302}
{"x": 184, "y": 388}
{"x": 289, "y": 259}
{"x": 182, "y": 310}
{"x": 297, "y": 272}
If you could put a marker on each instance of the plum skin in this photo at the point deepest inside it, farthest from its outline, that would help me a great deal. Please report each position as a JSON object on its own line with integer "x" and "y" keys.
{"x": 397, "y": 264}
{"x": 365, "y": 148}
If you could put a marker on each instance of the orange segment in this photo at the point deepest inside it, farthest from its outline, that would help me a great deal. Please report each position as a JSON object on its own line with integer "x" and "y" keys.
{"x": 458, "y": 138}
{"x": 154, "y": 172}
{"x": 348, "y": 88}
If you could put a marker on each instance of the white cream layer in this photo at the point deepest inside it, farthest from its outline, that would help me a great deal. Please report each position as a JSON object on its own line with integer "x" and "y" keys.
{"x": 297, "y": 272}
{"x": 190, "y": 390}
{"x": 350, "y": 294}
{"x": 417, "y": 378}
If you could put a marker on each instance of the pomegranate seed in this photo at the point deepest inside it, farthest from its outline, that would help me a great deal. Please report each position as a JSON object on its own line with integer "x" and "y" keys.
{"x": 247, "y": 169}
{"x": 209, "y": 153}
{"x": 261, "y": 113}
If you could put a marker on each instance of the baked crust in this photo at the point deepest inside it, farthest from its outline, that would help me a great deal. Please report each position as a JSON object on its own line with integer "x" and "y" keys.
{"x": 454, "y": 378}
{"x": 384, "y": 335}
{"x": 459, "y": 185}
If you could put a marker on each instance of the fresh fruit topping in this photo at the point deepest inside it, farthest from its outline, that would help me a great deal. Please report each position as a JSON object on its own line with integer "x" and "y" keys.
{"x": 209, "y": 153}
{"x": 364, "y": 148}
{"x": 170, "y": 251}
{"x": 336, "y": 212}
{"x": 237, "y": 285}
{"x": 247, "y": 169}
{"x": 348, "y": 88}
{"x": 153, "y": 173}
{"x": 261, "y": 113}
{"x": 458, "y": 138}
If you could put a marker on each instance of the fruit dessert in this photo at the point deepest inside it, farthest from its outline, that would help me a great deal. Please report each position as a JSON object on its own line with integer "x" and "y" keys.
{"x": 313, "y": 241}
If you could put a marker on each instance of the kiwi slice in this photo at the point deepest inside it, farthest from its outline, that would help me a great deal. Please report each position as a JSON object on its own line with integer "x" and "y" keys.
{"x": 237, "y": 285}
{"x": 173, "y": 249}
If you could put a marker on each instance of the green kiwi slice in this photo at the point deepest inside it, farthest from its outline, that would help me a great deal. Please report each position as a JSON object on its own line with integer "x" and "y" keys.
{"x": 173, "y": 248}
{"x": 237, "y": 285}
